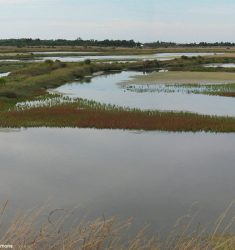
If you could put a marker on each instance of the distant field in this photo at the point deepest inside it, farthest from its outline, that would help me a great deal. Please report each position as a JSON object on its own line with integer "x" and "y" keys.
{"x": 179, "y": 77}
{"x": 145, "y": 50}
{"x": 228, "y": 54}
{"x": 113, "y": 50}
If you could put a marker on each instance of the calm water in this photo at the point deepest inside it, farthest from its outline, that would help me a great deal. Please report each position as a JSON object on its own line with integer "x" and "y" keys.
{"x": 10, "y": 60}
{"x": 159, "y": 56}
{"x": 106, "y": 58}
{"x": 152, "y": 176}
{"x": 79, "y": 58}
{"x": 4, "y": 74}
{"x": 220, "y": 65}
{"x": 105, "y": 89}
{"x": 176, "y": 55}
{"x": 65, "y": 52}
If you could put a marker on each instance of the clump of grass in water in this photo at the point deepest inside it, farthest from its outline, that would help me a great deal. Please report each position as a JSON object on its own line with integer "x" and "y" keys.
{"x": 43, "y": 101}
{"x": 206, "y": 89}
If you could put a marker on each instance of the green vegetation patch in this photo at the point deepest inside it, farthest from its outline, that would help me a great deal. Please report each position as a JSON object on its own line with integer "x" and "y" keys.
{"x": 35, "y": 78}
{"x": 30, "y": 81}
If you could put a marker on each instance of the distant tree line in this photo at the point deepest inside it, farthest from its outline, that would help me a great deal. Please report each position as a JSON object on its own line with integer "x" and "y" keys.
{"x": 63, "y": 42}
{"x": 24, "y": 42}
{"x": 160, "y": 44}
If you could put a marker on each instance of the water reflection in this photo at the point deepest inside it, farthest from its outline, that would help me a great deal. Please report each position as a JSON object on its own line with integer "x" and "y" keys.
{"x": 158, "y": 56}
{"x": 81, "y": 56}
{"x": 64, "y": 52}
{"x": 154, "y": 177}
{"x": 220, "y": 65}
{"x": 105, "y": 89}
{"x": 4, "y": 74}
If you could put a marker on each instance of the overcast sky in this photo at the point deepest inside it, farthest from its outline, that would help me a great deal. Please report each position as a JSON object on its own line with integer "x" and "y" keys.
{"x": 142, "y": 20}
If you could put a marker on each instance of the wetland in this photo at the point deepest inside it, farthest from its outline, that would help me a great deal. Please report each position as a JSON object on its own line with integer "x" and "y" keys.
{"x": 148, "y": 136}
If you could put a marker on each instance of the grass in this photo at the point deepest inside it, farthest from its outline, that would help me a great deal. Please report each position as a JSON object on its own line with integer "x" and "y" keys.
{"x": 210, "y": 83}
{"x": 31, "y": 81}
{"x": 30, "y": 56}
{"x": 38, "y": 230}
{"x": 35, "y": 78}
{"x": 26, "y": 53}
{"x": 197, "y": 64}
{"x": 227, "y": 90}
{"x": 89, "y": 114}
{"x": 16, "y": 56}
{"x": 12, "y": 49}
{"x": 182, "y": 77}
{"x": 10, "y": 66}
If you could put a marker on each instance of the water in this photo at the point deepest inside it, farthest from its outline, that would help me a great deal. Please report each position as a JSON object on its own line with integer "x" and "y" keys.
{"x": 4, "y": 74}
{"x": 120, "y": 58}
{"x": 11, "y": 60}
{"x": 64, "y": 52}
{"x": 220, "y": 65}
{"x": 170, "y": 56}
{"x": 105, "y": 89}
{"x": 104, "y": 58}
{"x": 152, "y": 176}
{"x": 158, "y": 56}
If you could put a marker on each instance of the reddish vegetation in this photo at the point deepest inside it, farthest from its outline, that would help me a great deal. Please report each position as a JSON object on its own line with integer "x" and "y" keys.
{"x": 73, "y": 116}
{"x": 228, "y": 94}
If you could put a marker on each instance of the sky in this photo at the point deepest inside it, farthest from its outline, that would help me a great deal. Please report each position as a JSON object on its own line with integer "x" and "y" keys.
{"x": 141, "y": 20}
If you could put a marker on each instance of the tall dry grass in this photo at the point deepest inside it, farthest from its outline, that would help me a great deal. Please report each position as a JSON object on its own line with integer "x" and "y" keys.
{"x": 29, "y": 232}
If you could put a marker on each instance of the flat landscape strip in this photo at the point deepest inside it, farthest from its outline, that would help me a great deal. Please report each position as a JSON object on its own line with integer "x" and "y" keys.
{"x": 32, "y": 80}
{"x": 184, "y": 77}
{"x": 71, "y": 115}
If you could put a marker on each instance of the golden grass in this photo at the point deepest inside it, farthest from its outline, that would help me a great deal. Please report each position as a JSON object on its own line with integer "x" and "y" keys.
{"x": 38, "y": 230}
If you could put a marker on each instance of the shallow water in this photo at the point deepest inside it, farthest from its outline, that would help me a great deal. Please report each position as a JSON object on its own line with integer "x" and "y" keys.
{"x": 11, "y": 60}
{"x": 65, "y": 52}
{"x": 153, "y": 177}
{"x": 4, "y": 74}
{"x": 118, "y": 58}
{"x": 170, "y": 56}
{"x": 105, "y": 89}
{"x": 95, "y": 58}
{"x": 220, "y": 65}
{"x": 158, "y": 56}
